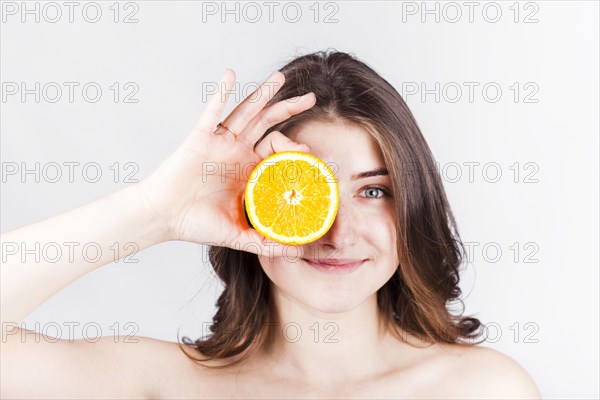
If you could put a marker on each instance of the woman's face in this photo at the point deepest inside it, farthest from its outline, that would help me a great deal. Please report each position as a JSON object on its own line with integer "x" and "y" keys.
{"x": 364, "y": 228}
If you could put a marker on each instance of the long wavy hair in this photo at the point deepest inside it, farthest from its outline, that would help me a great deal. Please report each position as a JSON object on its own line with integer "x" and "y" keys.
{"x": 418, "y": 297}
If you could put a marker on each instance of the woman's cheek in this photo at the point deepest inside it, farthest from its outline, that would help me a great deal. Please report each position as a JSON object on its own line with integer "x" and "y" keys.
{"x": 279, "y": 269}
{"x": 380, "y": 231}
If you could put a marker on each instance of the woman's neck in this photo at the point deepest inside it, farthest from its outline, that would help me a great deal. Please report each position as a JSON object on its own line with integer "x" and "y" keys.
{"x": 328, "y": 348}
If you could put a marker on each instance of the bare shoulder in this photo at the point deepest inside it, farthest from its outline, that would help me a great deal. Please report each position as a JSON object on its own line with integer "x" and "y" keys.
{"x": 179, "y": 374}
{"x": 107, "y": 367}
{"x": 185, "y": 373}
{"x": 481, "y": 372}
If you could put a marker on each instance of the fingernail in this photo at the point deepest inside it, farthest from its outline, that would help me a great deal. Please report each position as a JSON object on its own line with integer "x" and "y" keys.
{"x": 297, "y": 98}
{"x": 224, "y": 74}
{"x": 310, "y": 94}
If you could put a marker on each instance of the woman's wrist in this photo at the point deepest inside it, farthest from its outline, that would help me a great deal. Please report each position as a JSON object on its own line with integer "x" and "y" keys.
{"x": 148, "y": 227}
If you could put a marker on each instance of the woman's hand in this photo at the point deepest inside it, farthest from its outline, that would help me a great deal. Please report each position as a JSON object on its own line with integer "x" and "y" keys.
{"x": 197, "y": 191}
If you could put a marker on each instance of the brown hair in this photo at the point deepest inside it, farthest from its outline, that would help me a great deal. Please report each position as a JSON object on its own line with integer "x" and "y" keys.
{"x": 417, "y": 296}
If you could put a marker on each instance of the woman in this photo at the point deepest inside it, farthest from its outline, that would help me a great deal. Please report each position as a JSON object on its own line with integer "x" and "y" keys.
{"x": 288, "y": 325}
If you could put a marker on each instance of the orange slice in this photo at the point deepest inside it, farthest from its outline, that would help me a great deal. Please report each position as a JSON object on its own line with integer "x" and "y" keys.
{"x": 292, "y": 198}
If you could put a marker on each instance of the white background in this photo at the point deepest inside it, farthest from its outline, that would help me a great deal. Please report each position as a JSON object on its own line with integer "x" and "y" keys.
{"x": 544, "y": 314}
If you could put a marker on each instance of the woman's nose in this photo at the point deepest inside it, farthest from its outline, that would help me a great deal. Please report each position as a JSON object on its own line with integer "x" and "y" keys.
{"x": 343, "y": 232}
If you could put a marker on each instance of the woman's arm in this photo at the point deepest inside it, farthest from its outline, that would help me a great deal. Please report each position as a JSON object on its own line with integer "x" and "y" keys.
{"x": 85, "y": 238}
{"x": 182, "y": 200}
{"x": 192, "y": 196}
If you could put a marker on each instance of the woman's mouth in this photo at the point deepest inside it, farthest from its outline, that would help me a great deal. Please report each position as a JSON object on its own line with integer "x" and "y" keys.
{"x": 335, "y": 265}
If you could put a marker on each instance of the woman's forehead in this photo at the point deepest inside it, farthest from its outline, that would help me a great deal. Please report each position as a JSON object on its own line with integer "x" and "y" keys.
{"x": 350, "y": 148}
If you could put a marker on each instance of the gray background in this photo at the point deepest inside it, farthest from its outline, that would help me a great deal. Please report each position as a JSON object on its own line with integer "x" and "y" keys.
{"x": 544, "y": 314}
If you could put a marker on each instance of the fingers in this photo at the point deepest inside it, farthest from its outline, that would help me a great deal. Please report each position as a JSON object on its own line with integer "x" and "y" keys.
{"x": 275, "y": 142}
{"x": 211, "y": 115}
{"x": 251, "y": 106}
{"x": 250, "y": 117}
{"x": 275, "y": 114}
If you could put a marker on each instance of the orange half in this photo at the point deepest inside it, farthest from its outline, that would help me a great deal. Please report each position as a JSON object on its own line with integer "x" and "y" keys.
{"x": 292, "y": 198}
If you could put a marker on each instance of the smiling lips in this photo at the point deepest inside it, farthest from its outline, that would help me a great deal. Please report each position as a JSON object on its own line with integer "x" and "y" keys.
{"x": 335, "y": 264}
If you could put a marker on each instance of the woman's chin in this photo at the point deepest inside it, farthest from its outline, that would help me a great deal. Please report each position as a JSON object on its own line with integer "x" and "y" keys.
{"x": 335, "y": 302}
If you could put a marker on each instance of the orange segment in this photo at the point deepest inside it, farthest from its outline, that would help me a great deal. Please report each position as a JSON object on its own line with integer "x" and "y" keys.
{"x": 292, "y": 197}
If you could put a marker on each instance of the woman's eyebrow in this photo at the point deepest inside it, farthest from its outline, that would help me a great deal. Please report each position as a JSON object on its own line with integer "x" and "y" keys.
{"x": 375, "y": 172}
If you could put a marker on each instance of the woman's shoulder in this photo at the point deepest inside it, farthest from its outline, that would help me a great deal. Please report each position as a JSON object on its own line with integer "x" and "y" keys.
{"x": 176, "y": 370}
{"x": 477, "y": 371}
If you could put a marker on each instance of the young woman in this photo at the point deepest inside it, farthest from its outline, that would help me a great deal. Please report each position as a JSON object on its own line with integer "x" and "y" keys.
{"x": 288, "y": 325}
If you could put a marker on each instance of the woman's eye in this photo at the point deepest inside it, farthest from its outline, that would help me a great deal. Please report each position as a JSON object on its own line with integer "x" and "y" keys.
{"x": 375, "y": 192}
